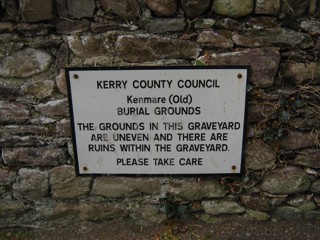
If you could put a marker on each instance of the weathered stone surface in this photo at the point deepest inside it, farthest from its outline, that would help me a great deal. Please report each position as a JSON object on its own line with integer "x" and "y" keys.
{"x": 11, "y": 207}
{"x": 233, "y": 8}
{"x": 191, "y": 189}
{"x": 76, "y": 26}
{"x": 162, "y": 8}
{"x": 270, "y": 7}
{"x": 315, "y": 187}
{"x": 261, "y": 216}
{"x": 287, "y": 180}
{"x": 60, "y": 210}
{"x": 256, "y": 202}
{"x": 46, "y": 156}
{"x": 88, "y": 45}
{"x": 62, "y": 8}
{"x": 302, "y": 203}
{"x": 215, "y": 207}
{"x": 287, "y": 212}
{"x": 63, "y": 128}
{"x": 17, "y": 65}
{"x": 36, "y": 10}
{"x": 40, "y": 89}
{"x": 194, "y": 8}
{"x": 312, "y": 27}
{"x": 61, "y": 82}
{"x": 301, "y": 72}
{"x": 148, "y": 215}
{"x": 230, "y": 24}
{"x": 294, "y": 8}
{"x": 127, "y": 9}
{"x": 213, "y": 39}
{"x": 30, "y": 30}
{"x": 32, "y": 184}
{"x": 297, "y": 140}
{"x": 121, "y": 187}
{"x": 262, "y": 75}
{"x": 273, "y": 37}
{"x": 6, "y": 27}
{"x": 65, "y": 184}
{"x": 104, "y": 26}
{"x": 312, "y": 215}
{"x": 143, "y": 48}
{"x": 54, "y": 108}
{"x": 22, "y": 130}
{"x": 262, "y": 22}
{"x": 11, "y": 11}
{"x": 80, "y": 9}
{"x": 163, "y": 25}
{"x": 304, "y": 123}
{"x": 7, "y": 176}
{"x": 13, "y": 112}
{"x": 100, "y": 212}
{"x": 259, "y": 156}
{"x": 201, "y": 23}
{"x": 308, "y": 158}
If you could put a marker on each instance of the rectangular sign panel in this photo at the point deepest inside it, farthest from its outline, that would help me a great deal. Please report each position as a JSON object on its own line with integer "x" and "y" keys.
{"x": 181, "y": 120}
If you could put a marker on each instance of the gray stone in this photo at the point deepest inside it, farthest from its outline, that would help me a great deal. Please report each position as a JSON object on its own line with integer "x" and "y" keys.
{"x": 315, "y": 187}
{"x": 215, "y": 207}
{"x": 301, "y": 202}
{"x": 100, "y": 212}
{"x": 32, "y": 184}
{"x": 287, "y": 212}
{"x": 213, "y": 39}
{"x": 13, "y": 112}
{"x": 142, "y": 48}
{"x": 36, "y": 10}
{"x": 63, "y": 128}
{"x": 60, "y": 210}
{"x": 104, "y": 26}
{"x": 297, "y": 140}
{"x": 233, "y": 8}
{"x": 65, "y": 184}
{"x": 127, "y": 9}
{"x": 294, "y": 8}
{"x": 39, "y": 89}
{"x": 30, "y": 30}
{"x": 7, "y": 176}
{"x": 62, "y": 8}
{"x": 191, "y": 189}
{"x": 270, "y": 7}
{"x": 194, "y": 8}
{"x": 287, "y": 180}
{"x": 54, "y": 108}
{"x": 11, "y": 10}
{"x": 301, "y": 72}
{"x": 258, "y": 155}
{"x": 148, "y": 215}
{"x": 312, "y": 215}
{"x": 262, "y": 75}
{"x": 256, "y": 202}
{"x": 121, "y": 187}
{"x": 11, "y": 207}
{"x": 81, "y": 9}
{"x": 6, "y": 27}
{"x": 273, "y": 37}
{"x": 308, "y": 158}
{"x": 45, "y": 156}
{"x": 201, "y": 23}
{"x": 18, "y": 65}
{"x": 22, "y": 130}
{"x": 312, "y": 27}
{"x": 76, "y": 26}
{"x": 261, "y": 216}
{"x": 61, "y": 82}
{"x": 88, "y": 45}
{"x": 262, "y": 22}
{"x": 230, "y": 24}
{"x": 162, "y": 8}
{"x": 163, "y": 25}
{"x": 305, "y": 123}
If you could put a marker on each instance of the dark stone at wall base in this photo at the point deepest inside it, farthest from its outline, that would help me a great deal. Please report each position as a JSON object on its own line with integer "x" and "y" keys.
{"x": 287, "y": 212}
{"x": 194, "y": 8}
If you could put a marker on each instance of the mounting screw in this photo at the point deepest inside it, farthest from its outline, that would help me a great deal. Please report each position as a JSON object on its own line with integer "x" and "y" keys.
{"x": 234, "y": 167}
{"x": 76, "y": 76}
{"x": 85, "y": 169}
{"x": 239, "y": 75}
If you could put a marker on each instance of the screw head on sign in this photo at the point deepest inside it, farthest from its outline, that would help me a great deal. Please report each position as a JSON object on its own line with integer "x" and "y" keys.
{"x": 85, "y": 169}
{"x": 239, "y": 75}
{"x": 76, "y": 76}
{"x": 234, "y": 167}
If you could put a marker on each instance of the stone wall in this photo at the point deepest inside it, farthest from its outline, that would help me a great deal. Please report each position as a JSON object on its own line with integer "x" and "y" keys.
{"x": 279, "y": 39}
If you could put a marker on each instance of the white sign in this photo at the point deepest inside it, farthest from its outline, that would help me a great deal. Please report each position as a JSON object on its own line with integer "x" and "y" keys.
{"x": 158, "y": 120}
